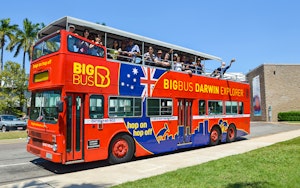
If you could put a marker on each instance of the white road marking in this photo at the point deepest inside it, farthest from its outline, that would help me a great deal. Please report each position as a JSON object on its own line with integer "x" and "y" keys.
{"x": 1, "y": 166}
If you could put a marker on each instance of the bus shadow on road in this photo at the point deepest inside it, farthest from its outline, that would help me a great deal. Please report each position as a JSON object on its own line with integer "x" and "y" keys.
{"x": 63, "y": 169}
{"x": 58, "y": 168}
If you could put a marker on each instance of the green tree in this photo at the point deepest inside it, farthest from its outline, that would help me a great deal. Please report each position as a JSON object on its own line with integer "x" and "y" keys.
{"x": 24, "y": 39}
{"x": 6, "y": 31}
{"x": 13, "y": 87}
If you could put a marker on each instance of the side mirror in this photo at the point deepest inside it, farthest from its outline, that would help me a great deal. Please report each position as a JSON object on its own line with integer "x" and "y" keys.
{"x": 60, "y": 106}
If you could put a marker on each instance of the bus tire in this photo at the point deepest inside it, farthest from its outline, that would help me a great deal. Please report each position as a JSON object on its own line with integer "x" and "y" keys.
{"x": 231, "y": 133}
{"x": 121, "y": 149}
{"x": 215, "y": 136}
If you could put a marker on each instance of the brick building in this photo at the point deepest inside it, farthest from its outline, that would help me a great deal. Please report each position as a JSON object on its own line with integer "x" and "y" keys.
{"x": 274, "y": 88}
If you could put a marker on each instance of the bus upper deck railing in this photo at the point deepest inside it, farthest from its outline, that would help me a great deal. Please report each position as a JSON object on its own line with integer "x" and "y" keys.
{"x": 193, "y": 65}
{"x": 191, "y": 68}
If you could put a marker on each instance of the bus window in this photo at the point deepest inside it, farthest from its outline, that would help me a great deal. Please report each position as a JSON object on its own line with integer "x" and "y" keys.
{"x": 152, "y": 107}
{"x": 234, "y": 107}
{"x": 81, "y": 46}
{"x": 241, "y": 107}
{"x": 43, "y": 106}
{"x": 157, "y": 107}
{"x": 125, "y": 107}
{"x": 166, "y": 106}
{"x": 46, "y": 47}
{"x": 202, "y": 107}
{"x": 231, "y": 107}
{"x": 96, "y": 106}
{"x": 215, "y": 107}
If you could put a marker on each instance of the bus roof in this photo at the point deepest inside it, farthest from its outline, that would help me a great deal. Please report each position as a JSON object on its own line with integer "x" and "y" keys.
{"x": 80, "y": 25}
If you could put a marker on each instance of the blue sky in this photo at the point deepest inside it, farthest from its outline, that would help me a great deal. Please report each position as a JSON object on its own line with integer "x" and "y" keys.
{"x": 254, "y": 32}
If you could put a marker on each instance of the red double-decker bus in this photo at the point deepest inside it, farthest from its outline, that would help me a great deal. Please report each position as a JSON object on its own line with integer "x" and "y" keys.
{"x": 101, "y": 103}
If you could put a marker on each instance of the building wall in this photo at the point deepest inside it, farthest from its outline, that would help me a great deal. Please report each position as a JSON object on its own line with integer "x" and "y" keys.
{"x": 279, "y": 90}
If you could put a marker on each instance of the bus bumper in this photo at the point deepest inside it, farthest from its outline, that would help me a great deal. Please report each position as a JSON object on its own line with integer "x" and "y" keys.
{"x": 45, "y": 154}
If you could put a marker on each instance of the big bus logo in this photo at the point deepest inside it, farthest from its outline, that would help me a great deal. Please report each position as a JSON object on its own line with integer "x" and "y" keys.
{"x": 87, "y": 74}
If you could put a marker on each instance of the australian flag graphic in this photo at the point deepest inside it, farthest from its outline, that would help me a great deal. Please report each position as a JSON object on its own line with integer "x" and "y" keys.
{"x": 137, "y": 80}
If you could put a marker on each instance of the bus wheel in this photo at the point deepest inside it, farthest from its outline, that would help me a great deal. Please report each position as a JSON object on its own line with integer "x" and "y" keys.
{"x": 121, "y": 149}
{"x": 231, "y": 133}
{"x": 214, "y": 136}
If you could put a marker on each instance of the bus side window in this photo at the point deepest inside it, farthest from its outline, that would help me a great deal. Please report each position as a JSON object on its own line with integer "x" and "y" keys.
{"x": 215, "y": 107}
{"x": 166, "y": 107}
{"x": 158, "y": 107}
{"x": 231, "y": 107}
{"x": 125, "y": 107}
{"x": 96, "y": 106}
{"x": 241, "y": 107}
{"x": 202, "y": 107}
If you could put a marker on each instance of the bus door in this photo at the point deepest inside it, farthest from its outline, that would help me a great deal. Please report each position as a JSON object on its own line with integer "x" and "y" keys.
{"x": 75, "y": 118}
{"x": 185, "y": 120}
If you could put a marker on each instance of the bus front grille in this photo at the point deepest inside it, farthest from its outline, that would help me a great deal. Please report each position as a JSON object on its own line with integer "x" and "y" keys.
{"x": 35, "y": 134}
{"x": 35, "y": 151}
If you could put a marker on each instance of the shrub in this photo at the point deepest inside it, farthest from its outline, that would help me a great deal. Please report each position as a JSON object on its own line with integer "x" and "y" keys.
{"x": 289, "y": 116}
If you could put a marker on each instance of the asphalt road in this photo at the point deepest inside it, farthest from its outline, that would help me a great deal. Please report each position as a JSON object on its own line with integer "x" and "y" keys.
{"x": 17, "y": 165}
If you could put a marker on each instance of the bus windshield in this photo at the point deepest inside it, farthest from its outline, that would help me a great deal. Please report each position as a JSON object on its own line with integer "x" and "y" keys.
{"x": 43, "y": 106}
{"x": 46, "y": 47}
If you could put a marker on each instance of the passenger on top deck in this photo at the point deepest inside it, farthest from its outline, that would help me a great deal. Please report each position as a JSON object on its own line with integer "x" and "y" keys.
{"x": 83, "y": 45}
{"x": 133, "y": 50}
{"x": 178, "y": 65}
{"x": 175, "y": 55}
{"x": 188, "y": 64}
{"x": 98, "y": 39}
{"x": 165, "y": 62}
{"x": 220, "y": 71}
{"x": 113, "y": 52}
{"x": 149, "y": 57}
{"x": 95, "y": 50}
{"x": 72, "y": 40}
{"x": 198, "y": 66}
{"x": 159, "y": 55}
{"x": 71, "y": 28}
{"x": 122, "y": 51}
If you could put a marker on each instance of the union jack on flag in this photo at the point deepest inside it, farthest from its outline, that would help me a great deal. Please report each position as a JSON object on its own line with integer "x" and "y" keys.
{"x": 136, "y": 80}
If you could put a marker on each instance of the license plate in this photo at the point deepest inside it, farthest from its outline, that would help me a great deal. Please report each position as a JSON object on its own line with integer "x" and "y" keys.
{"x": 20, "y": 128}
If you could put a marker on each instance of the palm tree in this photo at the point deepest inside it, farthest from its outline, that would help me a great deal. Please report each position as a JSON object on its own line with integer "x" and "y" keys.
{"x": 6, "y": 30}
{"x": 24, "y": 39}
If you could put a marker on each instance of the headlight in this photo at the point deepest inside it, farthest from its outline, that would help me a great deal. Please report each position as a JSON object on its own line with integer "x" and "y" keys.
{"x": 54, "y": 147}
{"x": 28, "y": 139}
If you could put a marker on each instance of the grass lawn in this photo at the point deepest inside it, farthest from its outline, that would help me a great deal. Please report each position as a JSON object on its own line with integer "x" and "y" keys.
{"x": 13, "y": 135}
{"x": 274, "y": 166}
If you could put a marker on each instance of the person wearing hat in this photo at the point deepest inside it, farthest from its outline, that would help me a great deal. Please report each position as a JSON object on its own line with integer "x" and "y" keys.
{"x": 224, "y": 68}
{"x": 72, "y": 40}
{"x": 71, "y": 28}
{"x": 219, "y": 72}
